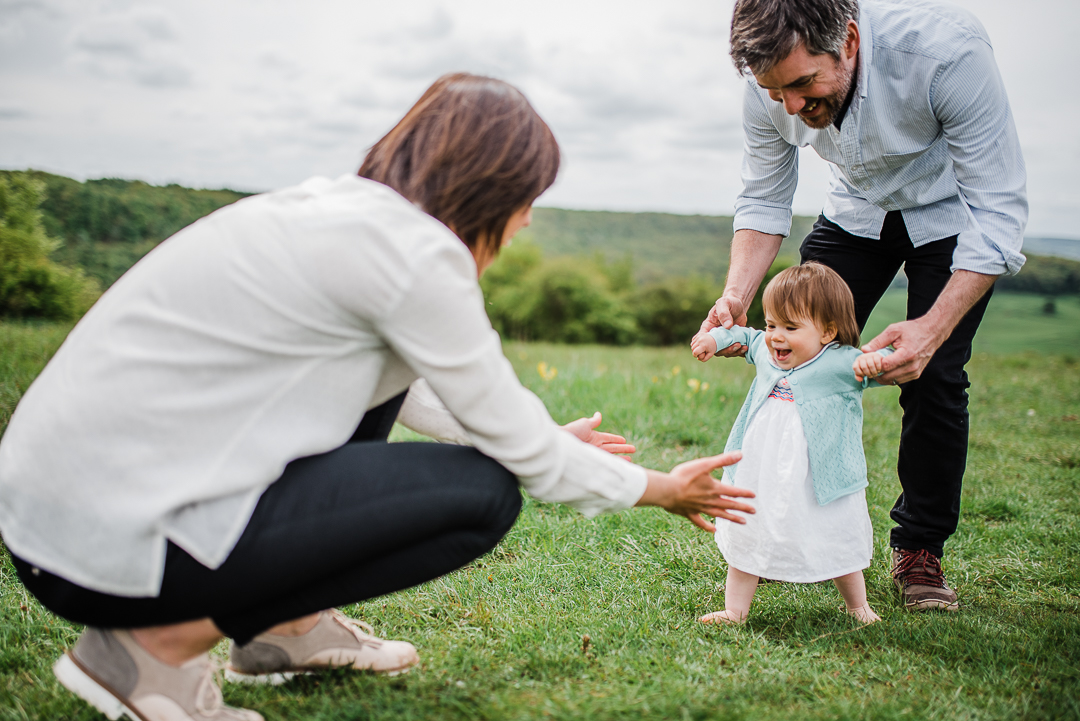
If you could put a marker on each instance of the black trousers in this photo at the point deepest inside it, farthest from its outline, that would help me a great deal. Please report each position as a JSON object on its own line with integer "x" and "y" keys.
{"x": 934, "y": 431}
{"x": 364, "y": 520}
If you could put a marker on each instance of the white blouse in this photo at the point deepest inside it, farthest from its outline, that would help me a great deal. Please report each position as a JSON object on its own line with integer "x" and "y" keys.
{"x": 258, "y": 335}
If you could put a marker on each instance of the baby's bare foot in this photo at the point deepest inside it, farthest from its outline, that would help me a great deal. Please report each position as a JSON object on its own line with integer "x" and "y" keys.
{"x": 732, "y": 617}
{"x": 864, "y": 613}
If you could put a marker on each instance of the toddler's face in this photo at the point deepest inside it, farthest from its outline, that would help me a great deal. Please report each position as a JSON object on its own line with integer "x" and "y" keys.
{"x": 793, "y": 342}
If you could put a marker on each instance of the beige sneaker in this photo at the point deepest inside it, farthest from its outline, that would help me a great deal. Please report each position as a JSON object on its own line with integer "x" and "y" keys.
{"x": 336, "y": 641}
{"x": 110, "y": 671}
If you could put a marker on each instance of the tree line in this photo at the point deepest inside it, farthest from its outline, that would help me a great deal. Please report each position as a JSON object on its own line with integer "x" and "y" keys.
{"x": 591, "y": 300}
{"x": 62, "y": 242}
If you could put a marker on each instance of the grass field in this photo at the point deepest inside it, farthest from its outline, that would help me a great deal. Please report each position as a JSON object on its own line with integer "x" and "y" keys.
{"x": 576, "y": 619}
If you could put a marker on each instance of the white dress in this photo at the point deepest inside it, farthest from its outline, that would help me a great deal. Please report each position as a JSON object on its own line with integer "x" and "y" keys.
{"x": 791, "y": 537}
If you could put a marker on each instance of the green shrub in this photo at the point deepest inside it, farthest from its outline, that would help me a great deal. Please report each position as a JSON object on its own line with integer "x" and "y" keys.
{"x": 670, "y": 312}
{"x": 755, "y": 315}
{"x": 1044, "y": 275}
{"x": 32, "y": 286}
{"x": 566, "y": 300}
{"x": 587, "y": 300}
{"x": 509, "y": 269}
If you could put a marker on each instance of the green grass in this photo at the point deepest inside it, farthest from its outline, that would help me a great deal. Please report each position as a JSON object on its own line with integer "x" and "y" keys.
{"x": 505, "y": 637}
{"x": 24, "y": 350}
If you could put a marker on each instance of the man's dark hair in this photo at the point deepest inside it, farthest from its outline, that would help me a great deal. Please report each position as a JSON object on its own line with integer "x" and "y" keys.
{"x": 470, "y": 153}
{"x": 764, "y": 32}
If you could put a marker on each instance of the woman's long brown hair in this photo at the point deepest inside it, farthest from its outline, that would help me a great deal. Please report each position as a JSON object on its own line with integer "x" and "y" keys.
{"x": 471, "y": 152}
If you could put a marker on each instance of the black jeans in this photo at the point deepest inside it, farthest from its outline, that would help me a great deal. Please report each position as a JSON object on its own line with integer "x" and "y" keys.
{"x": 364, "y": 520}
{"x": 934, "y": 431}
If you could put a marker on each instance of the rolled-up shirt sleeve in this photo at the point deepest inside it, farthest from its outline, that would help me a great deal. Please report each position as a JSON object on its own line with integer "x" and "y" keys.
{"x": 770, "y": 171}
{"x": 969, "y": 100}
{"x": 440, "y": 330}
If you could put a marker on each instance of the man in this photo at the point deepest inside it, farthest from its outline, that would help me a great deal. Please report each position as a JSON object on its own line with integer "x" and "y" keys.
{"x": 905, "y": 101}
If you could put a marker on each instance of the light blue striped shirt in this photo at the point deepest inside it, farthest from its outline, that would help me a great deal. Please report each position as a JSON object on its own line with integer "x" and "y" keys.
{"x": 929, "y": 133}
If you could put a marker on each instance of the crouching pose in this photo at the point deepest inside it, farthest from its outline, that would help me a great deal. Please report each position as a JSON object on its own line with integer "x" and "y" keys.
{"x": 206, "y": 455}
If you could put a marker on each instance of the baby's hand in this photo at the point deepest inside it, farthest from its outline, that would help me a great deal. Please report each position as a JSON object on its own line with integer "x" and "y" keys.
{"x": 868, "y": 365}
{"x": 703, "y": 346}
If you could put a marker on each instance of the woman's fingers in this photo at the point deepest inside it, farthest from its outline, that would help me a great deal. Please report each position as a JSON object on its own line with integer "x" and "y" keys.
{"x": 722, "y": 505}
{"x": 585, "y": 430}
{"x": 706, "y": 465}
{"x": 690, "y": 490}
{"x": 727, "y": 489}
{"x": 700, "y": 522}
{"x": 730, "y": 517}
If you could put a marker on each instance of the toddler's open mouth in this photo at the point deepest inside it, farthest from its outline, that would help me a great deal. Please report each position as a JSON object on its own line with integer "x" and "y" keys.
{"x": 781, "y": 354}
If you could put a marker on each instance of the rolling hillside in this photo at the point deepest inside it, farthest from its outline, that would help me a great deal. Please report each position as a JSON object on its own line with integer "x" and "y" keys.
{"x": 106, "y": 225}
{"x": 661, "y": 244}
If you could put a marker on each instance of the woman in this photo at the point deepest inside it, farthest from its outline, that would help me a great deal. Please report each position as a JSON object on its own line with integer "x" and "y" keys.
{"x": 205, "y": 455}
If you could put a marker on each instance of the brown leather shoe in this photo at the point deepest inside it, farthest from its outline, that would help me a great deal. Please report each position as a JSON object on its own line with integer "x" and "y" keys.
{"x": 918, "y": 578}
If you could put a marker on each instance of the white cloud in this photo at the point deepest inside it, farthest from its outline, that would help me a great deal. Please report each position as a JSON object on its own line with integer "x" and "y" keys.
{"x": 262, "y": 93}
{"x": 136, "y": 45}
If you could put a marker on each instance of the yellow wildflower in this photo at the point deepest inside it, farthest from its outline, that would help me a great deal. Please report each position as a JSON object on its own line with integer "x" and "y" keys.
{"x": 546, "y": 372}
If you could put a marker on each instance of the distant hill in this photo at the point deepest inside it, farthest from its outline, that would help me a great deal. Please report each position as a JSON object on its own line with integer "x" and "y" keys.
{"x": 1056, "y": 247}
{"x": 108, "y": 224}
{"x": 661, "y": 244}
{"x": 665, "y": 245}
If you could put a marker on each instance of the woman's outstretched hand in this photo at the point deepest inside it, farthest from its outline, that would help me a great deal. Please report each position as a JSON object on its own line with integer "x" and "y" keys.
{"x": 585, "y": 429}
{"x": 690, "y": 490}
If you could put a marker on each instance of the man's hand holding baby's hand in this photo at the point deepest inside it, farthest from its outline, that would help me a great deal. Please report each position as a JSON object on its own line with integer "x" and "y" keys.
{"x": 727, "y": 312}
{"x": 868, "y": 365}
{"x": 703, "y": 346}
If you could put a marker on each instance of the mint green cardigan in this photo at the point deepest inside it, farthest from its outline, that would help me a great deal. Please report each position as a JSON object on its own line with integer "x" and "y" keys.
{"x": 829, "y": 402}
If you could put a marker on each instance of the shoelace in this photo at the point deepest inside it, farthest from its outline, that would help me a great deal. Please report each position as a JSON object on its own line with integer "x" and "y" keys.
{"x": 208, "y": 698}
{"x": 919, "y": 568}
{"x": 350, "y": 625}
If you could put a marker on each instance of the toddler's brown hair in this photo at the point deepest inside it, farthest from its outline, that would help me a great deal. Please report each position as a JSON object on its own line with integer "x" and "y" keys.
{"x": 817, "y": 292}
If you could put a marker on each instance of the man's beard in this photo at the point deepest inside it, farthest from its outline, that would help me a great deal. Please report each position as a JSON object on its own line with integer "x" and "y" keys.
{"x": 832, "y": 104}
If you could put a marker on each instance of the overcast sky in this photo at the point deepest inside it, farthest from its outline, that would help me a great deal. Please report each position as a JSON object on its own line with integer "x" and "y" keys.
{"x": 258, "y": 94}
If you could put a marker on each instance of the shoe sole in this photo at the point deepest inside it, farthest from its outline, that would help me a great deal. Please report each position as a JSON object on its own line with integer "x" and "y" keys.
{"x": 932, "y": 604}
{"x": 262, "y": 679}
{"x": 280, "y": 677}
{"x": 77, "y": 680}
